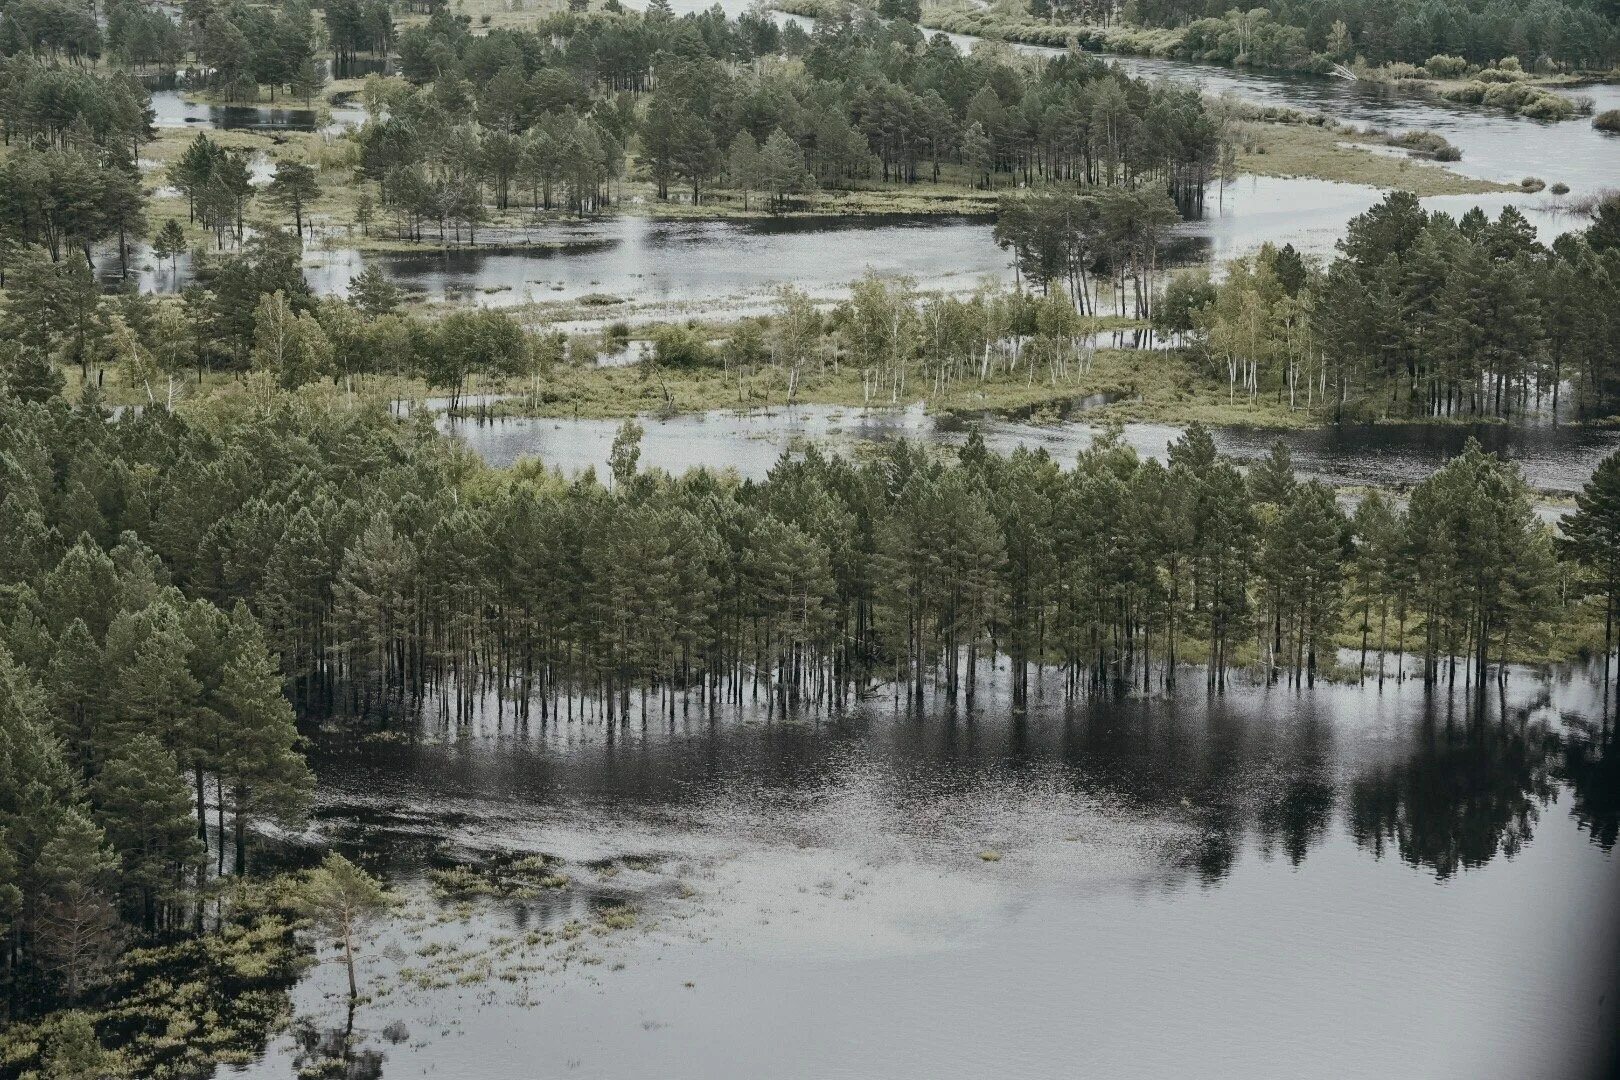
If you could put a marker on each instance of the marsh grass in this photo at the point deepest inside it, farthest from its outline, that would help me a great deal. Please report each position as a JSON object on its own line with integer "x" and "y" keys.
{"x": 504, "y": 877}
{"x": 1318, "y": 151}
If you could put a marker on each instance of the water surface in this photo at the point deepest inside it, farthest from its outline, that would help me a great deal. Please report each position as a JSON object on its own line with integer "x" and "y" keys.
{"x": 1555, "y": 458}
{"x": 1338, "y": 882}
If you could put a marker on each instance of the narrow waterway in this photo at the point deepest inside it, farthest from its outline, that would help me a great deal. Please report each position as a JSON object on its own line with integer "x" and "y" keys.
{"x": 1557, "y": 459}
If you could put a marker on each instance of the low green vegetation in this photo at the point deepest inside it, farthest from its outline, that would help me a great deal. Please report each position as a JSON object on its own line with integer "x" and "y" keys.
{"x": 1445, "y": 39}
{"x": 1521, "y": 98}
{"x": 1608, "y": 121}
{"x": 511, "y": 877}
{"x": 176, "y": 1010}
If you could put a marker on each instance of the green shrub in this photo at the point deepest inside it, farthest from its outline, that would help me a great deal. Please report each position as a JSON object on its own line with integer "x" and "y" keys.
{"x": 1442, "y": 66}
{"x": 1608, "y": 121}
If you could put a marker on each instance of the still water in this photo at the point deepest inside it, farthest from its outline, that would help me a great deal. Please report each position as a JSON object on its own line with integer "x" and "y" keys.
{"x": 646, "y": 269}
{"x": 173, "y": 109}
{"x": 1555, "y": 458}
{"x": 669, "y": 268}
{"x": 1340, "y": 882}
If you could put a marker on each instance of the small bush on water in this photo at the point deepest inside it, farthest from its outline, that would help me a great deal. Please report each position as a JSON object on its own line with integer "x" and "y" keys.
{"x": 619, "y": 919}
{"x": 1608, "y": 121}
{"x": 503, "y": 877}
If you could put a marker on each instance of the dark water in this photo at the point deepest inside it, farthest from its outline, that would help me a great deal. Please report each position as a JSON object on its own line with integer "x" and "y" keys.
{"x": 1555, "y": 458}
{"x": 1341, "y": 882}
{"x": 173, "y": 109}
{"x": 639, "y": 259}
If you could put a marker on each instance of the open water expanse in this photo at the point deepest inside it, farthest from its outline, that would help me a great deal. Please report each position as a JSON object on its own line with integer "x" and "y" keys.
{"x": 1346, "y": 881}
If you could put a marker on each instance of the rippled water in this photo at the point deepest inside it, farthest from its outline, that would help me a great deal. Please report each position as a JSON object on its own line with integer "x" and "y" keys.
{"x": 1555, "y": 458}
{"x": 1342, "y": 882}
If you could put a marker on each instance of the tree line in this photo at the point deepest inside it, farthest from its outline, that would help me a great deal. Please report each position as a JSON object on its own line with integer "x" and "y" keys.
{"x": 1421, "y": 314}
{"x": 237, "y": 47}
{"x": 141, "y": 731}
{"x": 387, "y": 566}
{"x": 1582, "y": 33}
{"x": 700, "y": 102}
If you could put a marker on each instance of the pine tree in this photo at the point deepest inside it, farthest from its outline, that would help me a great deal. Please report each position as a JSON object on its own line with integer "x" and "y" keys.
{"x": 340, "y": 898}
{"x": 1591, "y": 538}
{"x": 260, "y": 763}
{"x": 75, "y": 924}
{"x": 373, "y": 293}
{"x": 293, "y": 187}
{"x": 142, "y": 803}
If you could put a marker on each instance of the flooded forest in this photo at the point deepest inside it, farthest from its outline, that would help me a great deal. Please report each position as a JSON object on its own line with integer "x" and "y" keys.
{"x": 828, "y": 538}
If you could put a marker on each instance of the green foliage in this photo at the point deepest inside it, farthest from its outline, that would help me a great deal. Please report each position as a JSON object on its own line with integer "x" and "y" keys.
{"x": 1422, "y": 315}
{"x": 177, "y": 1011}
{"x": 1442, "y": 66}
{"x": 339, "y": 898}
{"x": 1566, "y": 31}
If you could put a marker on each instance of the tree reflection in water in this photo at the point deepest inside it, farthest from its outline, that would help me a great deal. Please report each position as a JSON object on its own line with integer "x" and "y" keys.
{"x": 1469, "y": 791}
{"x": 1591, "y": 767}
{"x": 335, "y": 1053}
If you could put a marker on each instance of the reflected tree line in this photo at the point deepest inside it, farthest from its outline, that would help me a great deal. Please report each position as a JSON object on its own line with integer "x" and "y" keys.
{"x": 1468, "y": 790}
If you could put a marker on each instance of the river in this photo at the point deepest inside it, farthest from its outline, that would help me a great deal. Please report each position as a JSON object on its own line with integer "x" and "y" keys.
{"x": 1345, "y": 881}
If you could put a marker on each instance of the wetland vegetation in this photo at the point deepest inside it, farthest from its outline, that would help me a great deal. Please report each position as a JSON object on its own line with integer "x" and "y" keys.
{"x": 334, "y": 728}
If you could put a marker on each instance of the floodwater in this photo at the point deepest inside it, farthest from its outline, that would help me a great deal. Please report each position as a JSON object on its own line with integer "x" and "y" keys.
{"x": 1344, "y": 881}
{"x": 172, "y": 108}
{"x": 1557, "y": 459}
{"x": 664, "y": 269}
{"x": 644, "y": 269}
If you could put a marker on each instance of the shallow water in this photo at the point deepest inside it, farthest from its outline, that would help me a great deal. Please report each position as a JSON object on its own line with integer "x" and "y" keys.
{"x": 649, "y": 269}
{"x": 1338, "y": 882}
{"x": 172, "y": 109}
{"x": 1557, "y": 459}
{"x": 673, "y": 268}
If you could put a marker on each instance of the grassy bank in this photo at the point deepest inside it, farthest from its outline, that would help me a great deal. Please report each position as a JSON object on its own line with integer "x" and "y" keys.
{"x": 1322, "y": 152}
{"x": 1120, "y": 385}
